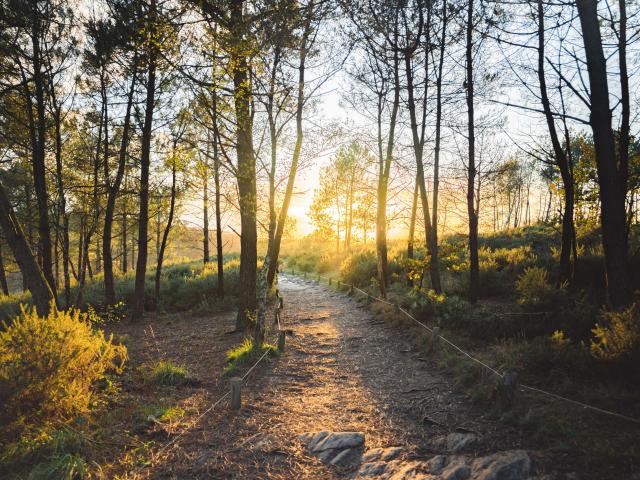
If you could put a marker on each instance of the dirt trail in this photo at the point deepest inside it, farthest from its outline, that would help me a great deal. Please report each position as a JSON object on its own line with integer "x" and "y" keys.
{"x": 343, "y": 370}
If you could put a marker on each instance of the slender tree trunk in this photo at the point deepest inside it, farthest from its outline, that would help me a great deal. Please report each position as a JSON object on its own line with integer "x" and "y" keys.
{"x": 124, "y": 245}
{"x": 167, "y": 229}
{"x": 434, "y": 264}
{"x": 246, "y": 168}
{"x": 39, "y": 168}
{"x": 3, "y": 275}
{"x": 206, "y": 256}
{"x": 143, "y": 219}
{"x": 474, "y": 267}
{"x": 284, "y": 209}
{"x": 566, "y": 267}
{"x": 32, "y": 274}
{"x": 610, "y": 180}
{"x": 216, "y": 180}
{"x": 412, "y": 227}
{"x": 112, "y": 194}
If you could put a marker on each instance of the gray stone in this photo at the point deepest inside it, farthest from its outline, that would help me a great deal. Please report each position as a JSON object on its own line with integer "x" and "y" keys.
{"x": 339, "y": 440}
{"x": 390, "y": 453}
{"x": 436, "y": 464}
{"x": 348, "y": 458}
{"x": 371, "y": 469}
{"x": 407, "y": 471}
{"x": 312, "y": 438}
{"x": 509, "y": 465}
{"x": 457, "y": 441}
{"x": 372, "y": 455}
{"x": 456, "y": 469}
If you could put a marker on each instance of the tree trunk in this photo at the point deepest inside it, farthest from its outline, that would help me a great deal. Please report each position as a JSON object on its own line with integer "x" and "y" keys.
{"x": 612, "y": 199}
{"x": 38, "y": 160}
{"x": 412, "y": 227}
{"x": 216, "y": 180}
{"x": 474, "y": 267}
{"x": 246, "y": 169}
{"x": 206, "y": 256}
{"x": 434, "y": 264}
{"x": 284, "y": 209}
{"x": 145, "y": 157}
{"x": 560, "y": 157}
{"x": 167, "y": 229}
{"x": 3, "y": 275}
{"x": 32, "y": 274}
{"x": 112, "y": 194}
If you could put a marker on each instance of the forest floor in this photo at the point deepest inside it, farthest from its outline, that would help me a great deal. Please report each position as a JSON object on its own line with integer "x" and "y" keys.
{"x": 344, "y": 369}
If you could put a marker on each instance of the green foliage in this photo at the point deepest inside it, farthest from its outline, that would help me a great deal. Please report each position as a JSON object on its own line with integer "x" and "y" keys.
{"x": 617, "y": 335}
{"x": 49, "y": 368}
{"x": 168, "y": 374}
{"x": 358, "y": 269}
{"x": 533, "y": 286}
{"x": 182, "y": 288}
{"x": 245, "y": 354}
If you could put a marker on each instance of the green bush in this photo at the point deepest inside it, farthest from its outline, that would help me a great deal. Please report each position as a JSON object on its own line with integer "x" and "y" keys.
{"x": 245, "y": 354}
{"x": 168, "y": 374}
{"x": 49, "y": 367}
{"x": 534, "y": 287}
{"x": 617, "y": 336}
{"x": 359, "y": 269}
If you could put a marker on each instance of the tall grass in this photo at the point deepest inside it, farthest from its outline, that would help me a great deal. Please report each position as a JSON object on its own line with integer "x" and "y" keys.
{"x": 183, "y": 287}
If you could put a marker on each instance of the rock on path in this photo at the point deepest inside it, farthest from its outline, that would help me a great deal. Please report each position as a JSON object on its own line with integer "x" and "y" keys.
{"x": 345, "y": 449}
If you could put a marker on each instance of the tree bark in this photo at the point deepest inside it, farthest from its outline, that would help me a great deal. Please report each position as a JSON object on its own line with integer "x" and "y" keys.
{"x": 246, "y": 169}
{"x": 612, "y": 199}
{"x": 167, "y": 229}
{"x": 560, "y": 157}
{"x": 112, "y": 195}
{"x": 274, "y": 254}
{"x": 32, "y": 274}
{"x": 38, "y": 160}
{"x": 434, "y": 264}
{"x": 3, "y": 275}
{"x": 474, "y": 267}
{"x": 145, "y": 158}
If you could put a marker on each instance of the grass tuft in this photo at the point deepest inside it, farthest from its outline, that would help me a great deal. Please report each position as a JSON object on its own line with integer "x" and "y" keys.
{"x": 168, "y": 374}
{"x": 245, "y": 354}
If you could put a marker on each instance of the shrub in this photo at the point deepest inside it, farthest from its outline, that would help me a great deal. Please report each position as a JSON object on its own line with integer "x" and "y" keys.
{"x": 358, "y": 269}
{"x": 617, "y": 336}
{"x": 244, "y": 354}
{"x": 49, "y": 367}
{"x": 167, "y": 373}
{"x": 533, "y": 286}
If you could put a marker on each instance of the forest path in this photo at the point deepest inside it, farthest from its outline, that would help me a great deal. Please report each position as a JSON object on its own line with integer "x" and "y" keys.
{"x": 343, "y": 370}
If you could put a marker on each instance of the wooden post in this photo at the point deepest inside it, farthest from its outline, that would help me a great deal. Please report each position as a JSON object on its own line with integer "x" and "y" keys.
{"x": 329, "y": 281}
{"x": 351, "y": 290}
{"x": 434, "y": 337}
{"x": 281, "y": 340}
{"x": 276, "y": 318}
{"x": 236, "y": 397}
{"x": 508, "y": 388}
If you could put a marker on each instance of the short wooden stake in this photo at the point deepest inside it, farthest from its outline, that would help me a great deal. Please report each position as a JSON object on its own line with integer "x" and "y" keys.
{"x": 281, "y": 340}
{"x": 508, "y": 388}
{"x": 236, "y": 396}
{"x": 329, "y": 281}
{"x": 434, "y": 337}
{"x": 351, "y": 290}
{"x": 276, "y": 318}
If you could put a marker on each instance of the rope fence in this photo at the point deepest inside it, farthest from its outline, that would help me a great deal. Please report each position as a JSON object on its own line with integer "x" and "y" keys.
{"x": 234, "y": 391}
{"x": 508, "y": 378}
